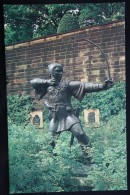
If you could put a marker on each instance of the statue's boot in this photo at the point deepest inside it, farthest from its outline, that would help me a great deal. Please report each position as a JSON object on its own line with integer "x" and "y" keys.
{"x": 52, "y": 143}
{"x": 86, "y": 148}
{"x": 54, "y": 138}
{"x": 83, "y": 139}
{"x": 87, "y": 155}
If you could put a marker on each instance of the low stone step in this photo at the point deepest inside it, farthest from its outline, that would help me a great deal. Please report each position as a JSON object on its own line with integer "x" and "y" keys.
{"x": 82, "y": 171}
{"x": 82, "y": 183}
{"x": 59, "y": 189}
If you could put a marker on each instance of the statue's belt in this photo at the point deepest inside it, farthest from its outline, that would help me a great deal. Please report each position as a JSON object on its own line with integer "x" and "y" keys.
{"x": 60, "y": 104}
{"x": 60, "y": 107}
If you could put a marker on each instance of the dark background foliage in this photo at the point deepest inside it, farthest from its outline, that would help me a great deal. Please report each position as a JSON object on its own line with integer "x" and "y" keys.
{"x": 25, "y": 22}
{"x": 19, "y": 108}
{"x": 109, "y": 102}
{"x": 67, "y": 22}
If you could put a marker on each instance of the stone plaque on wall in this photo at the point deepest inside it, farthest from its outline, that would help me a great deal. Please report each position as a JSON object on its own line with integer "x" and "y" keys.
{"x": 91, "y": 117}
{"x": 36, "y": 118}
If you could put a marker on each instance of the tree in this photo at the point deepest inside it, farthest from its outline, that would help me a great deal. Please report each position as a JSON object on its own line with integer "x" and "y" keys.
{"x": 100, "y": 13}
{"x": 20, "y": 23}
{"x": 25, "y": 22}
{"x": 68, "y": 22}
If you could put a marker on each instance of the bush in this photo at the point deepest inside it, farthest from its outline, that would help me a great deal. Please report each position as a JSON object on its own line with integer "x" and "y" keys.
{"x": 67, "y": 22}
{"x": 35, "y": 167}
{"x": 109, "y": 153}
{"x": 18, "y": 108}
{"x": 110, "y": 102}
{"x": 24, "y": 175}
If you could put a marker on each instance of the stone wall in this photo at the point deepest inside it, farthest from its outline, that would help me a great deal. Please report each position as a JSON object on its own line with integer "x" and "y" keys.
{"x": 82, "y": 60}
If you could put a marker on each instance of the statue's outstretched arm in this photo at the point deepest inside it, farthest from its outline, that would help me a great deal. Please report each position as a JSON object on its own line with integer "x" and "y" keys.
{"x": 90, "y": 87}
{"x": 93, "y": 87}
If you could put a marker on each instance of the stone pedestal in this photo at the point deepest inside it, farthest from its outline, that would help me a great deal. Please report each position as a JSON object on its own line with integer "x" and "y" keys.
{"x": 80, "y": 177}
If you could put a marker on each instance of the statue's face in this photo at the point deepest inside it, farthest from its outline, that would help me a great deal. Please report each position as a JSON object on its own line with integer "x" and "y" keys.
{"x": 57, "y": 73}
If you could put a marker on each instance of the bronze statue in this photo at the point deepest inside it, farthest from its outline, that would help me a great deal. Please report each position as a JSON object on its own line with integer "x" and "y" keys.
{"x": 62, "y": 115}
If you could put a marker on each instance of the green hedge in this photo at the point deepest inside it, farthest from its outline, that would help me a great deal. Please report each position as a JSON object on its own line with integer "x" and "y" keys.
{"x": 33, "y": 167}
{"x": 109, "y": 102}
{"x": 18, "y": 108}
{"x": 110, "y": 154}
{"x": 68, "y": 22}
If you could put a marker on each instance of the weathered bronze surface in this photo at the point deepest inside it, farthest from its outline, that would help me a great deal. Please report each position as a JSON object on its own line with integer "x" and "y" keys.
{"x": 62, "y": 115}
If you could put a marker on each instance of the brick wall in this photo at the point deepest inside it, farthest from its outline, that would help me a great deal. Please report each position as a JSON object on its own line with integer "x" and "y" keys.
{"x": 82, "y": 60}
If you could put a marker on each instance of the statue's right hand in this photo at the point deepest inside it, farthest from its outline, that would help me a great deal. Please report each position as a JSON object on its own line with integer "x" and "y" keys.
{"x": 51, "y": 82}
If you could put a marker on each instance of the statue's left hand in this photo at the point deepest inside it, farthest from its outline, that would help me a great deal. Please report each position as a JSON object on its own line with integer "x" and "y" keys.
{"x": 107, "y": 84}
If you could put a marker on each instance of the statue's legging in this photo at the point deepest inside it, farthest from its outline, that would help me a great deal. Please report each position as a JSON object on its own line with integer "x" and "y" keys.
{"x": 78, "y": 132}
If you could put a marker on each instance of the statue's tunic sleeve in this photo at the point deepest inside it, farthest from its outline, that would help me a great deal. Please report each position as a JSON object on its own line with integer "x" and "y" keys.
{"x": 40, "y": 87}
{"x": 79, "y": 89}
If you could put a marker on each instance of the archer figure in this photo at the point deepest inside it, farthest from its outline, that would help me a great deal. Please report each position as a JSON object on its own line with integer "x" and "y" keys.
{"x": 62, "y": 115}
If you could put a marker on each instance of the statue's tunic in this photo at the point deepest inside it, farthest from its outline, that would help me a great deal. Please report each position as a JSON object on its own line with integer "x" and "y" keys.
{"x": 58, "y": 100}
{"x": 59, "y": 104}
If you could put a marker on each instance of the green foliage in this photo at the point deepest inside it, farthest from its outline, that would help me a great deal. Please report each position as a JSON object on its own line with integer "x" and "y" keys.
{"x": 10, "y": 35}
{"x": 109, "y": 102}
{"x": 18, "y": 108}
{"x": 23, "y": 145}
{"x": 35, "y": 167}
{"x": 25, "y": 22}
{"x": 67, "y": 22}
{"x": 19, "y": 21}
{"x": 101, "y": 13}
{"x": 109, "y": 153}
